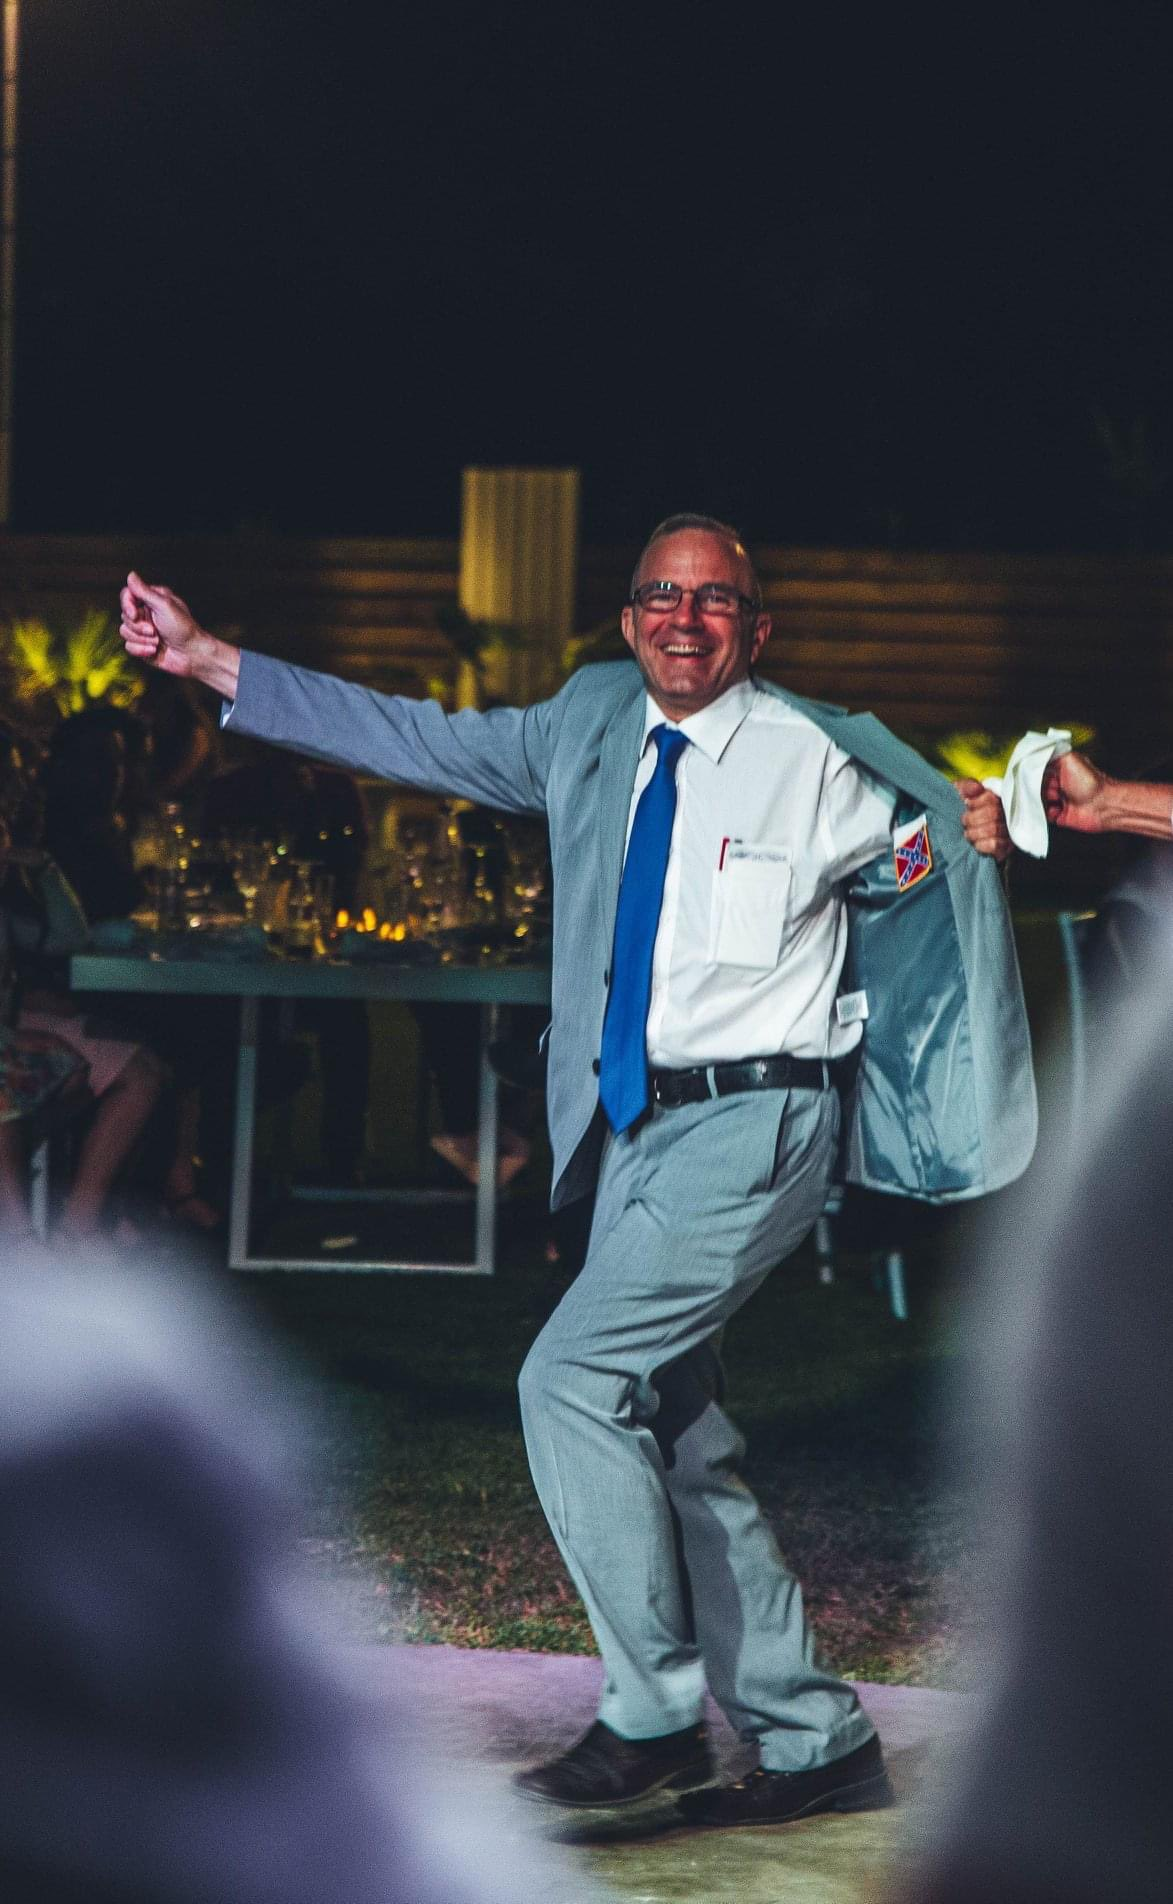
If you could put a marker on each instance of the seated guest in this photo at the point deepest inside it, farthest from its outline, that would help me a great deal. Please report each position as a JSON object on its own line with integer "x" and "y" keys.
{"x": 183, "y": 742}
{"x": 169, "y": 748}
{"x": 33, "y": 1073}
{"x": 321, "y": 812}
{"x": 134, "y": 741}
{"x": 449, "y": 1044}
{"x": 86, "y": 791}
{"x": 45, "y": 1048}
{"x": 83, "y": 783}
{"x": 318, "y": 810}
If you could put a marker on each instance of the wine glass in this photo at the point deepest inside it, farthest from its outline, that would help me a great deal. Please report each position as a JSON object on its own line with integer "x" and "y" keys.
{"x": 250, "y": 867}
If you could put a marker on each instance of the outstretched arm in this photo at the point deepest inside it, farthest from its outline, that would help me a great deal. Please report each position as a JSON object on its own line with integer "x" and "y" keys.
{"x": 1078, "y": 796}
{"x": 500, "y": 758}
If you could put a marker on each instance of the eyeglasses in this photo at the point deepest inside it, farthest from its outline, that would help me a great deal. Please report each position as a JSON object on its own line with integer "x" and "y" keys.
{"x": 711, "y": 598}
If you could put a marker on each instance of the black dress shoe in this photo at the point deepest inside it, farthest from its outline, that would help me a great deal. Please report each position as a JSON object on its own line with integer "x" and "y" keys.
{"x": 603, "y": 1769}
{"x": 857, "y": 1782}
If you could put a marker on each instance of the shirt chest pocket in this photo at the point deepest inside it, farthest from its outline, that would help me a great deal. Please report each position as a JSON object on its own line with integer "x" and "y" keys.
{"x": 750, "y": 901}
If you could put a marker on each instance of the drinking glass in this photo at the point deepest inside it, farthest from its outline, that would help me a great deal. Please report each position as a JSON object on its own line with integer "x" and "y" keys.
{"x": 322, "y": 887}
{"x": 250, "y": 867}
{"x": 307, "y": 910}
{"x": 525, "y": 897}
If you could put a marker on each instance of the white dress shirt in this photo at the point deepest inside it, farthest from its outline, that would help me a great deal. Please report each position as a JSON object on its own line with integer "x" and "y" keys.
{"x": 771, "y": 818}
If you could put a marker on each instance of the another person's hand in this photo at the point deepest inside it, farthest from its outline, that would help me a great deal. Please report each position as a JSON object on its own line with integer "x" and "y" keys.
{"x": 1073, "y": 794}
{"x": 158, "y": 627}
{"x": 984, "y": 820}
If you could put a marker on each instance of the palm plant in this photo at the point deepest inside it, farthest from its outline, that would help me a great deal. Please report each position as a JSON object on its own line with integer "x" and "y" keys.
{"x": 72, "y": 667}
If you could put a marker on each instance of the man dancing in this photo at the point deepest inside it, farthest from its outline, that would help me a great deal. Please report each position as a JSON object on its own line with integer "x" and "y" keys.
{"x": 710, "y": 836}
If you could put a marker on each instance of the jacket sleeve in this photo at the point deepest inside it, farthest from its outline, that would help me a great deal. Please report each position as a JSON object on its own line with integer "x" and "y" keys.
{"x": 500, "y": 758}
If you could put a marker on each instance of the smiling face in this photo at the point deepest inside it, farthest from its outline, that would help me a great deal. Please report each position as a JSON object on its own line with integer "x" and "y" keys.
{"x": 686, "y": 658}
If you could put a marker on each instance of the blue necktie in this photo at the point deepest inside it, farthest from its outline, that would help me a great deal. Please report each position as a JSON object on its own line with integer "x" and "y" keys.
{"x": 623, "y": 1062}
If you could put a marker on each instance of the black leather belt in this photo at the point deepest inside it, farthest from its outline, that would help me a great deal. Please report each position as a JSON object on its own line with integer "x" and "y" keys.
{"x": 673, "y": 1088}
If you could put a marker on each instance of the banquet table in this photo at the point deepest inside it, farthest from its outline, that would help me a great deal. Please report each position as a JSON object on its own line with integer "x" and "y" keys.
{"x": 250, "y": 979}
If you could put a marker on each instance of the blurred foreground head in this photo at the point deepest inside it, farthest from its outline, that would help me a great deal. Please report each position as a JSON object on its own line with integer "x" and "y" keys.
{"x": 173, "y": 1724}
{"x": 1064, "y": 1794}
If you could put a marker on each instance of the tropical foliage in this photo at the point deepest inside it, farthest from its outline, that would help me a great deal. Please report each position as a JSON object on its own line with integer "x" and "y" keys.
{"x": 975, "y": 755}
{"x": 71, "y": 667}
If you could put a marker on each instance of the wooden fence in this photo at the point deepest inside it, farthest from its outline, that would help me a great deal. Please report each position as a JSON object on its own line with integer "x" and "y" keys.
{"x": 363, "y": 608}
{"x": 929, "y": 642}
{"x": 933, "y": 643}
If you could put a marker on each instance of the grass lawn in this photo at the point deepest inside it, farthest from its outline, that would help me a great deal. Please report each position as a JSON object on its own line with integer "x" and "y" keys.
{"x": 420, "y": 1509}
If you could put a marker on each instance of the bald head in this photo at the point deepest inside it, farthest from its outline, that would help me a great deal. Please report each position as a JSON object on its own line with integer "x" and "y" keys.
{"x": 694, "y": 623}
{"x": 708, "y": 525}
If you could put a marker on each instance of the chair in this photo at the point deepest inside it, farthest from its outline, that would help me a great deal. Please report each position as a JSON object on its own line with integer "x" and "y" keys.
{"x": 40, "y": 1171}
{"x": 50, "y": 1129}
{"x": 890, "y": 1275}
{"x": 1074, "y": 932}
{"x": 1106, "y": 953}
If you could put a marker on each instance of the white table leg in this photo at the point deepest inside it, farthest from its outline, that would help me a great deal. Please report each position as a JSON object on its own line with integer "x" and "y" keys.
{"x": 486, "y": 1205}
{"x": 39, "y": 1189}
{"x": 240, "y": 1205}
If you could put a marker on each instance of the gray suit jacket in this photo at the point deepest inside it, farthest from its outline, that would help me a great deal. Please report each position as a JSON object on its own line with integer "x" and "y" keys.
{"x": 943, "y": 1104}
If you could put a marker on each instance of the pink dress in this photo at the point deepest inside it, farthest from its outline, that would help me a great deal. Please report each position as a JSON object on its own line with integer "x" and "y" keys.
{"x": 106, "y": 1058}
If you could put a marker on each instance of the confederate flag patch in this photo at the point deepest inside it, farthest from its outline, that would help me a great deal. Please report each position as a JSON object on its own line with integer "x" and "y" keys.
{"x": 912, "y": 852}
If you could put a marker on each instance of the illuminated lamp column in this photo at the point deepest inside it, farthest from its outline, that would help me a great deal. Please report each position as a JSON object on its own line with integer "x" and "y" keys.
{"x": 518, "y": 564}
{"x": 8, "y": 158}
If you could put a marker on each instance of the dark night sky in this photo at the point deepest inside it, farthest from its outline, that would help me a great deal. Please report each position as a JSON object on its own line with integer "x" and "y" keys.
{"x": 296, "y": 264}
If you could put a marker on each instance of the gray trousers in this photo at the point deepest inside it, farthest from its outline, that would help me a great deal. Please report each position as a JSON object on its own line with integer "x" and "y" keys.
{"x": 634, "y": 1461}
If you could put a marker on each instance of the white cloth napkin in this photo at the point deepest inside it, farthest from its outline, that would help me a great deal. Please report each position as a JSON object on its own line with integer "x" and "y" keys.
{"x": 1020, "y": 788}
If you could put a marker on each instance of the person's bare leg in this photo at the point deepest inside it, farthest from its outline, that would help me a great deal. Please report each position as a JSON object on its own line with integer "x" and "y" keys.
{"x": 181, "y": 1189}
{"x": 14, "y": 1214}
{"x": 122, "y": 1111}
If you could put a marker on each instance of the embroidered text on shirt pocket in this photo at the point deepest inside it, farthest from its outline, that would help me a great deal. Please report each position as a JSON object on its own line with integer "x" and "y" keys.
{"x": 749, "y": 909}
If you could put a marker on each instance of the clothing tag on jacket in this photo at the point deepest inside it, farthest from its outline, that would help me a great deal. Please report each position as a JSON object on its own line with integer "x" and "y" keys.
{"x": 912, "y": 853}
{"x": 851, "y": 1008}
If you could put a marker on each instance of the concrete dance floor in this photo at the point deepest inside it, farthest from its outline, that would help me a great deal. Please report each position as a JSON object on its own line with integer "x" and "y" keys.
{"x": 514, "y": 1709}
